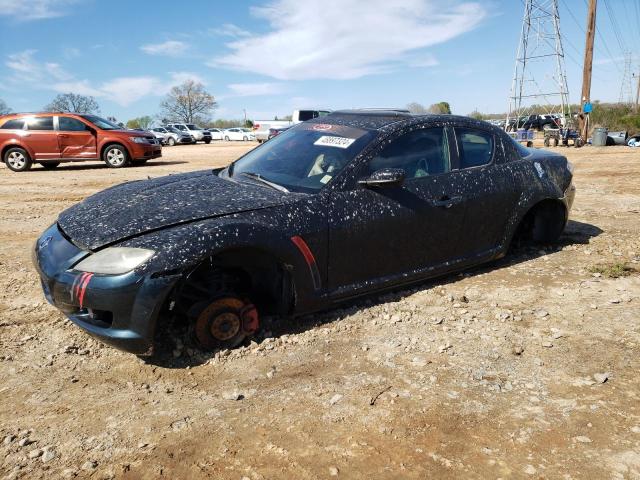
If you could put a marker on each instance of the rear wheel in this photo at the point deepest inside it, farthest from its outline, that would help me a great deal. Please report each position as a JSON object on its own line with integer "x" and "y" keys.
{"x": 171, "y": 142}
{"x": 49, "y": 165}
{"x": 547, "y": 223}
{"x": 115, "y": 156}
{"x": 17, "y": 159}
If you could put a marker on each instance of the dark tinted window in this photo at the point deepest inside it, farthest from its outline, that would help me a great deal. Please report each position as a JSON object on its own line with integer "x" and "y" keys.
{"x": 40, "y": 123}
{"x": 475, "y": 147}
{"x": 68, "y": 124}
{"x": 16, "y": 123}
{"x": 419, "y": 153}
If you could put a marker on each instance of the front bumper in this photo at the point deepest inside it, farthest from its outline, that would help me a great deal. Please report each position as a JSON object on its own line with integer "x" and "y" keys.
{"x": 120, "y": 310}
{"x": 141, "y": 151}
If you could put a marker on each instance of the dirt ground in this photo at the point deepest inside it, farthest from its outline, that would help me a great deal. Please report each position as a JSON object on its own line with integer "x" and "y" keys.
{"x": 525, "y": 368}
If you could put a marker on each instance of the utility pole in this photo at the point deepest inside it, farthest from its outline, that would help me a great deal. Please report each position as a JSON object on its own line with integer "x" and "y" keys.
{"x": 588, "y": 67}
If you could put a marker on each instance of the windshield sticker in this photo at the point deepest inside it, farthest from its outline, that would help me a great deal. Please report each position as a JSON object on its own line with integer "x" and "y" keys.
{"x": 339, "y": 142}
{"x": 325, "y": 179}
{"x": 322, "y": 126}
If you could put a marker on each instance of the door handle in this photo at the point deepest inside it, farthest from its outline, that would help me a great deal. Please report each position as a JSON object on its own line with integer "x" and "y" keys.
{"x": 63, "y": 135}
{"x": 446, "y": 201}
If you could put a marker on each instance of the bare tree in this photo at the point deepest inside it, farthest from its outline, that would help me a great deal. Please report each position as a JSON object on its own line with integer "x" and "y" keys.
{"x": 417, "y": 108}
{"x": 73, "y": 103}
{"x": 188, "y": 103}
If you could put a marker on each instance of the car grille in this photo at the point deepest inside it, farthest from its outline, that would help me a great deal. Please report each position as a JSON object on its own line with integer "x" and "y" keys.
{"x": 152, "y": 140}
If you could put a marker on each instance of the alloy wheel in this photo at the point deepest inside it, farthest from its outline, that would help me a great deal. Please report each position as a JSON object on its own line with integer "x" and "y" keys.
{"x": 115, "y": 157}
{"x": 17, "y": 160}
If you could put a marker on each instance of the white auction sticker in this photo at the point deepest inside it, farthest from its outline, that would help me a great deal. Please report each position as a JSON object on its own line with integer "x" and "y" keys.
{"x": 340, "y": 142}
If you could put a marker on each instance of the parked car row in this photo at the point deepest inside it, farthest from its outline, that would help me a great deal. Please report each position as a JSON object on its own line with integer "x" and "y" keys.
{"x": 187, "y": 133}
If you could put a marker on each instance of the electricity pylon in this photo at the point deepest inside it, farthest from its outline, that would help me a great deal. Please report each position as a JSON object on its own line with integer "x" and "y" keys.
{"x": 540, "y": 77}
{"x": 626, "y": 88}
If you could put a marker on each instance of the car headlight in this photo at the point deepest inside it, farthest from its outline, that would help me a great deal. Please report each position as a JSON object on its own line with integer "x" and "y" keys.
{"x": 138, "y": 140}
{"x": 114, "y": 260}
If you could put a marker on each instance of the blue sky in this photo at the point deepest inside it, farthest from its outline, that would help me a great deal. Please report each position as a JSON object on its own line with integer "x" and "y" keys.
{"x": 272, "y": 56}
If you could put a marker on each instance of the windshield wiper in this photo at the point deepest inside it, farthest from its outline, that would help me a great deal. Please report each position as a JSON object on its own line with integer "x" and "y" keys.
{"x": 261, "y": 179}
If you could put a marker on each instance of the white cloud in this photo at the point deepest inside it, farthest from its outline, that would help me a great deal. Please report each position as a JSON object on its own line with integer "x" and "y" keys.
{"x": 342, "y": 39}
{"x": 80, "y": 87}
{"x": 229, "y": 30}
{"x": 170, "y": 48}
{"x": 255, "y": 89}
{"x": 181, "y": 77}
{"x": 121, "y": 90}
{"x": 25, "y": 68}
{"x": 34, "y": 9}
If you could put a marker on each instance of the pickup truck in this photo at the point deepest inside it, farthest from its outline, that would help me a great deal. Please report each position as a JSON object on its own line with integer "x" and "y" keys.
{"x": 535, "y": 122}
{"x": 261, "y": 127}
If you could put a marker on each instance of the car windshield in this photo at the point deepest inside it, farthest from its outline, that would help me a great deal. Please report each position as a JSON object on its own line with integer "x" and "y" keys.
{"x": 304, "y": 158}
{"x": 102, "y": 123}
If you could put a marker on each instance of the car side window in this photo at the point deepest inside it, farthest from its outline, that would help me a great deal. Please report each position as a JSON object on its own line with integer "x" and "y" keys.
{"x": 40, "y": 123}
{"x": 419, "y": 153}
{"x": 68, "y": 124}
{"x": 474, "y": 146}
{"x": 15, "y": 124}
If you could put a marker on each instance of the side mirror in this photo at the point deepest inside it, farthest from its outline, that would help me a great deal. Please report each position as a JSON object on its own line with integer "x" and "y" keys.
{"x": 386, "y": 177}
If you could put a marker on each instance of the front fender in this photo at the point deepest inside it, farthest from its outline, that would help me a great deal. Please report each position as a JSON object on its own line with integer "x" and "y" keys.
{"x": 180, "y": 249}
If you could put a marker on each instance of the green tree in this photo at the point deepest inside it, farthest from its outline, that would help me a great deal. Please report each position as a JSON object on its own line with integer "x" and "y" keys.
{"x": 4, "y": 108}
{"x": 440, "y": 108}
{"x": 188, "y": 103}
{"x": 140, "y": 122}
{"x": 73, "y": 103}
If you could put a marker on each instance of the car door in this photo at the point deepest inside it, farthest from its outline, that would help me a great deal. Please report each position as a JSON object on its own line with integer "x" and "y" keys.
{"x": 76, "y": 139}
{"x": 485, "y": 183}
{"x": 381, "y": 235}
{"x": 42, "y": 137}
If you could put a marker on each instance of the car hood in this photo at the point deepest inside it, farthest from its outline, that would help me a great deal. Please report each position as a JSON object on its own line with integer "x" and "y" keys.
{"x": 134, "y": 208}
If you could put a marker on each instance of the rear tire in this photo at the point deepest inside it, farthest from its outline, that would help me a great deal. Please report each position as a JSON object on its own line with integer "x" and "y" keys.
{"x": 171, "y": 142}
{"x": 548, "y": 224}
{"x": 17, "y": 159}
{"x": 115, "y": 156}
{"x": 49, "y": 165}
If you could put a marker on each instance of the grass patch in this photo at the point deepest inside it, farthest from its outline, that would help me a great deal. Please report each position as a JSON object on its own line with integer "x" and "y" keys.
{"x": 613, "y": 270}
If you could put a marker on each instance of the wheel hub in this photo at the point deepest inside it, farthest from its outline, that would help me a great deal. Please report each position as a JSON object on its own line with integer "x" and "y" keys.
{"x": 225, "y": 322}
{"x": 225, "y": 326}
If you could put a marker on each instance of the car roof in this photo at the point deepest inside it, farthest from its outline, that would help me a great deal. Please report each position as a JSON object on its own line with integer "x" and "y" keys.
{"x": 32, "y": 114}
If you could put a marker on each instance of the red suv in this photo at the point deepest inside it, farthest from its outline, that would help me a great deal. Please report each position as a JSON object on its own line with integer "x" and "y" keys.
{"x": 52, "y": 138}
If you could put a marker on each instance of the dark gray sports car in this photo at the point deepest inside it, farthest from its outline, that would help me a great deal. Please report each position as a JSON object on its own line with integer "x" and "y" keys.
{"x": 333, "y": 208}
